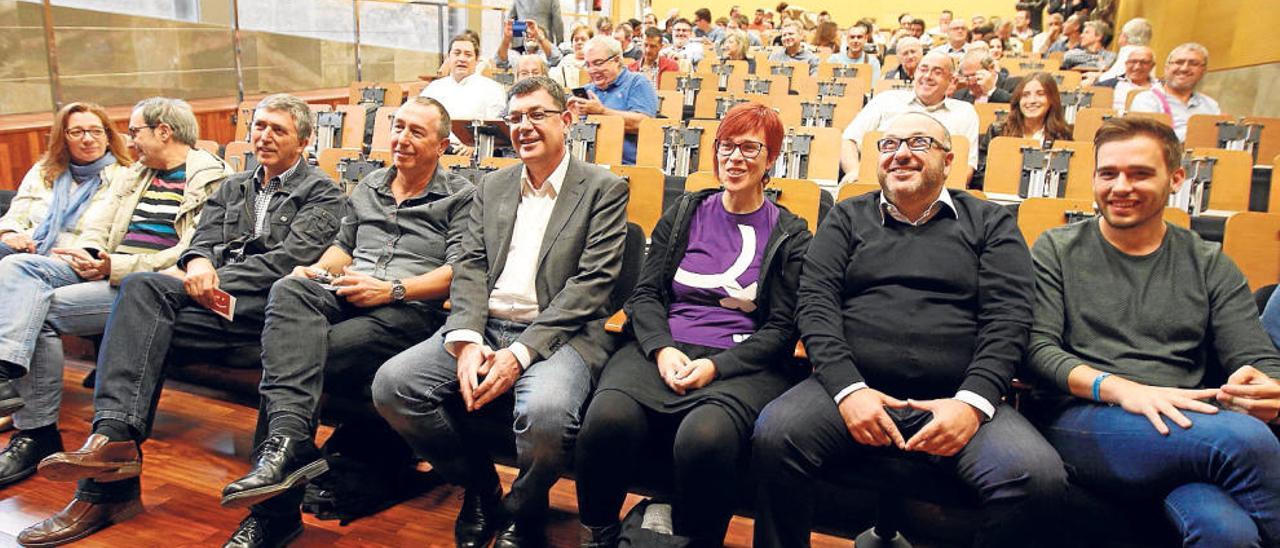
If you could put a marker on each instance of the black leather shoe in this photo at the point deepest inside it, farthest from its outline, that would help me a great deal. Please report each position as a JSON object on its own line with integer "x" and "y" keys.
{"x": 23, "y": 454}
{"x": 479, "y": 519}
{"x": 10, "y": 401}
{"x": 282, "y": 463}
{"x": 521, "y": 534}
{"x": 265, "y": 532}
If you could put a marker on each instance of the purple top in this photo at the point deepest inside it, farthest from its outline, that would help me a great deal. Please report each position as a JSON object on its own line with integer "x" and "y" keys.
{"x": 714, "y": 290}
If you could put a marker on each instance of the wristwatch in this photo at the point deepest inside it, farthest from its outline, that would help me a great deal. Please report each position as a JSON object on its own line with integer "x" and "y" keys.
{"x": 397, "y": 290}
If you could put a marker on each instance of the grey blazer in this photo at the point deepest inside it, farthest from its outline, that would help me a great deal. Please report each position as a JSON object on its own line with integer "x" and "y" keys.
{"x": 579, "y": 261}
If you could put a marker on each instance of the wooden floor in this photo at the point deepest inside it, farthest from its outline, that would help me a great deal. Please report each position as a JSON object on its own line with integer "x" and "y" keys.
{"x": 201, "y": 443}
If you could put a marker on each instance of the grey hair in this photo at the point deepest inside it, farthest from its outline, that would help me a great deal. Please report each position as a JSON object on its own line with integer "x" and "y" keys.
{"x": 609, "y": 43}
{"x": 1098, "y": 27}
{"x": 1137, "y": 31}
{"x": 296, "y": 108}
{"x": 174, "y": 113}
{"x": 542, "y": 61}
{"x": 444, "y": 126}
{"x": 535, "y": 83}
{"x": 1189, "y": 46}
{"x": 908, "y": 41}
{"x": 985, "y": 60}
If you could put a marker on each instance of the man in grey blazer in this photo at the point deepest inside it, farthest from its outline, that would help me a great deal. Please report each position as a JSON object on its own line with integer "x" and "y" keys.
{"x": 529, "y": 296}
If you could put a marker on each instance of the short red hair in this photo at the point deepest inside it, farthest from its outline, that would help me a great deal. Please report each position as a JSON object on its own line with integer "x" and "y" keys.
{"x": 747, "y": 117}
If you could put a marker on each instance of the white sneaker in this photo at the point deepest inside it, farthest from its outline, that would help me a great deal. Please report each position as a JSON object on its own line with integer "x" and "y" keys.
{"x": 657, "y": 518}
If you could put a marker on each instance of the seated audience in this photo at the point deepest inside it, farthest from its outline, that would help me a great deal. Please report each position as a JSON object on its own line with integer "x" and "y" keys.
{"x": 1089, "y": 55}
{"x": 734, "y": 48}
{"x": 1022, "y": 24}
{"x": 957, "y": 41}
{"x": 631, "y": 49}
{"x": 616, "y": 91}
{"x": 683, "y": 47}
{"x": 567, "y": 72}
{"x": 703, "y": 29}
{"x": 1137, "y": 75}
{"x": 854, "y": 52}
{"x": 654, "y": 63}
{"x": 712, "y": 323}
{"x": 996, "y": 47}
{"x": 254, "y": 229}
{"x": 1134, "y": 318}
{"x": 526, "y": 320}
{"x": 977, "y": 80}
{"x": 534, "y": 43}
{"x": 910, "y": 51}
{"x": 376, "y": 291}
{"x": 1041, "y": 43}
{"x": 84, "y": 158}
{"x": 145, "y": 220}
{"x": 1177, "y": 95}
{"x": 944, "y": 24}
{"x": 928, "y": 385}
{"x": 465, "y": 93}
{"x": 1136, "y": 33}
{"x": 929, "y": 94}
{"x": 793, "y": 48}
{"x": 1070, "y": 39}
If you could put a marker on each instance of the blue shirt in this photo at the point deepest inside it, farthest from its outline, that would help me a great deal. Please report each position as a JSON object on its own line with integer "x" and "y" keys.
{"x": 631, "y": 92}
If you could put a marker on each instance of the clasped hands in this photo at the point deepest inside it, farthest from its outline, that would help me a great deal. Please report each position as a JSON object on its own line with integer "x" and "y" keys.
{"x": 954, "y": 422}
{"x": 86, "y": 266}
{"x": 499, "y": 370}
{"x": 682, "y": 374}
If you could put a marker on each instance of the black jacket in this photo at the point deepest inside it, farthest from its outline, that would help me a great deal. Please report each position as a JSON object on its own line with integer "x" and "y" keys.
{"x": 997, "y": 96}
{"x": 773, "y": 343}
{"x": 303, "y": 218}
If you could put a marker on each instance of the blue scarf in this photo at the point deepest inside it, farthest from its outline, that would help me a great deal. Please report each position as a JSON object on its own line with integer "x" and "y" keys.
{"x": 68, "y": 203}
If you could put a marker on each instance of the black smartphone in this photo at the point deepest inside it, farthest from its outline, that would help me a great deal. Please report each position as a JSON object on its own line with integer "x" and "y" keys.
{"x": 580, "y": 93}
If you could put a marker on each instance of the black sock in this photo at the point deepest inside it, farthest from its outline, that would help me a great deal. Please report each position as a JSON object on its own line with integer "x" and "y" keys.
{"x": 41, "y": 434}
{"x": 289, "y": 425}
{"x": 10, "y": 371}
{"x": 114, "y": 430}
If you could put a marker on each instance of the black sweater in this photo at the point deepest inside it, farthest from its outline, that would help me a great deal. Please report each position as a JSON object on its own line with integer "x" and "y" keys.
{"x": 774, "y": 340}
{"x": 918, "y": 312}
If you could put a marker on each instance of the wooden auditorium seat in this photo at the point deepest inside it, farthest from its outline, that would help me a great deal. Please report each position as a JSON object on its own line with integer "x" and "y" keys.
{"x": 1252, "y": 240}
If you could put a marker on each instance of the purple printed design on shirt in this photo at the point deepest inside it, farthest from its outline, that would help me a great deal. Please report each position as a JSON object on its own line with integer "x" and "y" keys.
{"x": 715, "y": 288}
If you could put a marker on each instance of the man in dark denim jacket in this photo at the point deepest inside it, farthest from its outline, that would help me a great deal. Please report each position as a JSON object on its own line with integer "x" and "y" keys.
{"x": 255, "y": 229}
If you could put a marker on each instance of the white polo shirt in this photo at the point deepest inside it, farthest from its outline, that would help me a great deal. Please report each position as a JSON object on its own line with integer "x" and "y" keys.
{"x": 957, "y": 116}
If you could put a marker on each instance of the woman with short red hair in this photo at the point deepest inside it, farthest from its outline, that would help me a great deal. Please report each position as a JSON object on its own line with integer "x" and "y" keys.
{"x": 712, "y": 332}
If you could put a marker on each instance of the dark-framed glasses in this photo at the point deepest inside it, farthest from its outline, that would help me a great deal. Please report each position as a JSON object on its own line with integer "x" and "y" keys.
{"x": 133, "y": 131}
{"x": 749, "y": 149}
{"x": 535, "y": 116}
{"x": 915, "y": 143}
{"x": 79, "y": 133}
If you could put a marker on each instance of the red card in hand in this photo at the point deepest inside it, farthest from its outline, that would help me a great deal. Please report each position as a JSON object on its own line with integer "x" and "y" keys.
{"x": 224, "y": 304}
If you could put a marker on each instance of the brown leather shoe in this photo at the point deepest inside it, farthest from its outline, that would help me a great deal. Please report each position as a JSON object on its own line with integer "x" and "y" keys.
{"x": 99, "y": 460}
{"x": 78, "y": 520}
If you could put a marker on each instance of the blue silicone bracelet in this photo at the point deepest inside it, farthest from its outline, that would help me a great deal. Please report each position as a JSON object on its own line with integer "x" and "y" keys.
{"x": 1097, "y": 386}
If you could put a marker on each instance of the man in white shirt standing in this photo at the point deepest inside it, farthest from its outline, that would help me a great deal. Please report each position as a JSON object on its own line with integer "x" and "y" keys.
{"x": 933, "y": 77}
{"x": 1177, "y": 96}
{"x": 464, "y": 93}
{"x": 530, "y": 293}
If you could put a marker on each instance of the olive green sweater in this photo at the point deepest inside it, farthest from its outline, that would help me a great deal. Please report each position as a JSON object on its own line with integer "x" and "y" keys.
{"x": 1157, "y": 319}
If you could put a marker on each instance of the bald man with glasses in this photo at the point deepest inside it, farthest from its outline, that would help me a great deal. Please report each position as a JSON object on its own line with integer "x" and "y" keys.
{"x": 914, "y": 308}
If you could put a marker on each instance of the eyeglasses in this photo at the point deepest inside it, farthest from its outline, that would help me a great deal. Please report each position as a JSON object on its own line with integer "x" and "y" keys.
{"x": 600, "y": 62}
{"x": 536, "y": 116}
{"x": 915, "y": 143}
{"x": 78, "y": 133}
{"x": 1187, "y": 63}
{"x": 133, "y": 131}
{"x": 749, "y": 149}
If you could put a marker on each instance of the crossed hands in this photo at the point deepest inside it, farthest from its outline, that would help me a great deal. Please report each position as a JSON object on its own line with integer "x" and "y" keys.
{"x": 954, "y": 422}
{"x": 499, "y": 370}
{"x": 682, "y": 374}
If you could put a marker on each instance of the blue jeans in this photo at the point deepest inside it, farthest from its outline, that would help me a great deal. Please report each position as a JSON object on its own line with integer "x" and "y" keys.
{"x": 1016, "y": 474}
{"x": 46, "y": 299}
{"x": 417, "y": 393}
{"x": 1271, "y": 318}
{"x": 1220, "y": 479}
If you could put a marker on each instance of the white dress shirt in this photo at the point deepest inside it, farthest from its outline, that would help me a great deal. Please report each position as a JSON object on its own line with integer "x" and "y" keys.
{"x": 514, "y": 295}
{"x": 476, "y": 97}
{"x": 1157, "y": 99}
{"x": 957, "y": 116}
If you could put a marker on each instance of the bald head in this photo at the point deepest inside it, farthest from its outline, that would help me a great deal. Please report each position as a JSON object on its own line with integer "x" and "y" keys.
{"x": 933, "y": 77}
{"x": 918, "y": 123}
{"x": 915, "y": 157}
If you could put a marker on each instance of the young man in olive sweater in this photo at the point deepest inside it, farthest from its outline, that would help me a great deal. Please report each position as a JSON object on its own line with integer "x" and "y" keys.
{"x": 913, "y": 292}
{"x": 1132, "y": 314}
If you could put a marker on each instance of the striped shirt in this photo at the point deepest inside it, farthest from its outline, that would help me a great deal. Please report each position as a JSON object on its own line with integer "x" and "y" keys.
{"x": 151, "y": 228}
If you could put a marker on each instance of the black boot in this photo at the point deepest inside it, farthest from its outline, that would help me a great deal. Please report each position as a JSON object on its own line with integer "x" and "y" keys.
{"x": 282, "y": 463}
{"x": 24, "y": 453}
{"x": 479, "y": 519}
{"x": 265, "y": 532}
